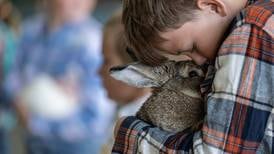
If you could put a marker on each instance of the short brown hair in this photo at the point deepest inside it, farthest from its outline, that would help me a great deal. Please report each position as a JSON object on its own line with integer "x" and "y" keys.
{"x": 114, "y": 27}
{"x": 144, "y": 19}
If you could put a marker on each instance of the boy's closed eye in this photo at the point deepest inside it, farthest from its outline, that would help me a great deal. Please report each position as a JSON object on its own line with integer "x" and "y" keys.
{"x": 179, "y": 56}
{"x": 183, "y": 52}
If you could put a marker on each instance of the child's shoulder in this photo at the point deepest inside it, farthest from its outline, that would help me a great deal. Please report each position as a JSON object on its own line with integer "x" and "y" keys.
{"x": 260, "y": 14}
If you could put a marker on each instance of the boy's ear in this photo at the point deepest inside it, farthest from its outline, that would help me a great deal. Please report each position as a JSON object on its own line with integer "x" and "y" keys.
{"x": 216, "y": 6}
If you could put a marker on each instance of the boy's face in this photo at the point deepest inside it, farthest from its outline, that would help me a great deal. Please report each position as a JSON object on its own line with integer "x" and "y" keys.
{"x": 200, "y": 38}
{"x": 197, "y": 40}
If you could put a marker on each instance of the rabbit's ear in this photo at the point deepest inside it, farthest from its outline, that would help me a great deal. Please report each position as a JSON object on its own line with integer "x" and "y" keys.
{"x": 136, "y": 74}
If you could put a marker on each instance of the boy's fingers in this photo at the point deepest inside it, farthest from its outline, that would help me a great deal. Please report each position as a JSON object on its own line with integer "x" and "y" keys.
{"x": 117, "y": 126}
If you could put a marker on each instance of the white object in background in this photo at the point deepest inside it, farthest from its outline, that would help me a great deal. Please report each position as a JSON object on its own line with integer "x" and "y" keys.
{"x": 47, "y": 99}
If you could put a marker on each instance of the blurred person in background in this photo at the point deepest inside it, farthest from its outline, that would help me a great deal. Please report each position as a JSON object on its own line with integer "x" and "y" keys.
{"x": 9, "y": 23}
{"x": 128, "y": 98}
{"x": 7, "y": 46}
{"x": 54, "y": 83}
{"x": 10, "y": 15}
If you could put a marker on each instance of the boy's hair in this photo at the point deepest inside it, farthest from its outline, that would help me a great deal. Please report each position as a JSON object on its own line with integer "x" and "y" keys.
{"x": 145, "y": 19}
{"x": 115, "y": 28}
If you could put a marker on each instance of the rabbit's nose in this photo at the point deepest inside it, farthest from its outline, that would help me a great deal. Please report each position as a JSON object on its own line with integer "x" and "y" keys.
{"x": 117, "y": 68}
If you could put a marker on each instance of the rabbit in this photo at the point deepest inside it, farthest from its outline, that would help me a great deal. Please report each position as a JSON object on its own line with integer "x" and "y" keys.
{"x": 176, "y": 102}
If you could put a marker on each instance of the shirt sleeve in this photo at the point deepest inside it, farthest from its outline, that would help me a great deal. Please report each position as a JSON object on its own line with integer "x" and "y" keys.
{"x": 239, "y": 108}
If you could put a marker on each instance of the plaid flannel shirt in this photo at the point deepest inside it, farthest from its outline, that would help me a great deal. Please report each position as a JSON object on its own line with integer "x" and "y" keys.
{"x": 239, "y": 110}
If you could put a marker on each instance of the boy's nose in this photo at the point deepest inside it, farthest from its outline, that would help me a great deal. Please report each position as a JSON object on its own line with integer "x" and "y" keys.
{"x": 197, "y": 58}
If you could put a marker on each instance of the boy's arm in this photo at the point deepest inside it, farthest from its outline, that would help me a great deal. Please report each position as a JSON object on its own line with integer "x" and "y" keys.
{"x": 136, "y": 136}
{"x": 239, "y": 108}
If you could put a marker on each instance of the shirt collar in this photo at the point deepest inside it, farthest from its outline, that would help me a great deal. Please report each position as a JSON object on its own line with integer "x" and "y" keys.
{"x": 238, "y": 19}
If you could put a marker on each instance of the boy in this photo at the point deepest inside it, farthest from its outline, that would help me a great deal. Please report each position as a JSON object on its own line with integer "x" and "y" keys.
{"x": 128, "y": 98}
{"x": 238, "y": 36}
{"x": 114, "y": 53}
{"x": 64, "y": 44}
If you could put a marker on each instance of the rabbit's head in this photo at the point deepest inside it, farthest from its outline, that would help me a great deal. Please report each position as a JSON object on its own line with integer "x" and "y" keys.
{"x": 141, "y": 75}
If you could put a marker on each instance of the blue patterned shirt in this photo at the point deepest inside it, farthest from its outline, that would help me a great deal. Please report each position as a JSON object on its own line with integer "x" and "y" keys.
{"x": 73, "y": 48}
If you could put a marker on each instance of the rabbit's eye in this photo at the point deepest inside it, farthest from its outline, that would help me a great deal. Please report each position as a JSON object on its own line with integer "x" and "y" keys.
{"x": 192, "y": 74}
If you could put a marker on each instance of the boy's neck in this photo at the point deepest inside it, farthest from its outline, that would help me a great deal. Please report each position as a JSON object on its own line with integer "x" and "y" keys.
{"x": 237, "y": 5}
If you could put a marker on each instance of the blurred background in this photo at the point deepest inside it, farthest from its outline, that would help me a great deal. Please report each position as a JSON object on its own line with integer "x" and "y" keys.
{"x": 53, "y": 100}
{"x": 103, "y": 10}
